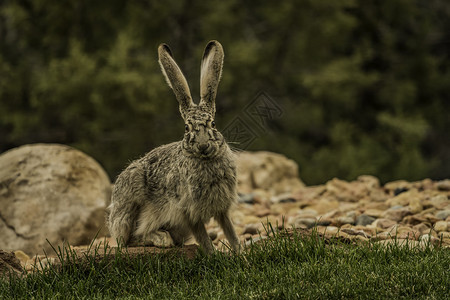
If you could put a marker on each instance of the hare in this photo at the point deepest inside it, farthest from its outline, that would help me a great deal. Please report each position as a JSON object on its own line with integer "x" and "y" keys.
{"x": 176, "y": 188}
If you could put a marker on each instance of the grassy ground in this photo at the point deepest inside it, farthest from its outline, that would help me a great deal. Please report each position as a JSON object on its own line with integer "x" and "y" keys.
{"x": 283, "y": 267}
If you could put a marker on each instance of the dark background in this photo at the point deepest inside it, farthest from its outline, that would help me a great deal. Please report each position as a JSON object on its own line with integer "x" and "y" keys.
{"x": 362, "y": 86}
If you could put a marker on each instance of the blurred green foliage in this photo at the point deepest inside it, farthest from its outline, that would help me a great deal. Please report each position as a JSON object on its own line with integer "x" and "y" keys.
{"x": 364, "y": 85}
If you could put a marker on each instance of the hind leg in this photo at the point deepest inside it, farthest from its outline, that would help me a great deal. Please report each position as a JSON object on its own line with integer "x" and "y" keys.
{"x": 126, "y": 200}
{"x": 121, "y": 221}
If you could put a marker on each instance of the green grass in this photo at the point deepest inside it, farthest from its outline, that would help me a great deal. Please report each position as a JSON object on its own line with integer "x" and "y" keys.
{"x": 275, "y": 268}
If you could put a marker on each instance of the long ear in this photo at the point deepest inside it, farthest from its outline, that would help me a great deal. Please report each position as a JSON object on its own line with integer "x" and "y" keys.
{"x": 175, "y": 78}
{"x": 211, "y": 70}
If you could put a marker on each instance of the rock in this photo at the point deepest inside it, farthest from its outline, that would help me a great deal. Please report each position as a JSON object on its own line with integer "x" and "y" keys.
{"x": 398, "y": 191}
{"x": 355, "y": 232}
{"x": 345, "y": 220}
{"x": 283, "y": 198}
{"x": 365, "y": 188}
{"x": 403, "y": 199}
{"x": 308, "y": 194}
{"x": 268, "y": 171}
{"x": 415, "y": 205}
{"x": 411, "y": 235}
{"x": 422, "y": 228}
{"x": 303, "y": 222}
{"x": 349, "y": 218}
{"x": 53, "y": 192}
{"x": 426, "y": 238}
{"x": 283, "y": 209}
{"x": 439, "y": 201}
{"x": 342, "y": 190}
{"x": 443, "y": 185}
{"x": 411, "y": 244}
{"x": 307, "y": 213}
{"x": 376, "y": 213}
{"x": 324, "y": 205}
{"x": 9, "y": 263}
{"x": 443, "y": 214}
{"x": 321, "y": 222}
{"x": 263, "y": 212}
{"x": 396, "y": 213}
{"x": 378, "y": 195}
{"x": 364, "y": 220}
{"x": 371, "y": 182}
{"x": 246, "y": 198}
{"x": 23, "y": 258}
{"x": 383, "y": 223}
{"x": 441, "y": 226}
{"x": 251, "y": 229}
{"x": 250, "y": 219}
{"x": 398, "y": 185}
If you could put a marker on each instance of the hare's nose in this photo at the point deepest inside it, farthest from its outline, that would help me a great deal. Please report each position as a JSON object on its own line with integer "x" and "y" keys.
{"x": 203, "y": 147}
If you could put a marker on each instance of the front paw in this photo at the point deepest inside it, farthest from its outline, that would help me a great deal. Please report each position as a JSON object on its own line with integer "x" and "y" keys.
{"x": 160, "y": 238}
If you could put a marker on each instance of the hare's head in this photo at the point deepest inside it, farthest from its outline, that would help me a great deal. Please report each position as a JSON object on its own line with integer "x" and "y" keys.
{"x": 201, "y": 138}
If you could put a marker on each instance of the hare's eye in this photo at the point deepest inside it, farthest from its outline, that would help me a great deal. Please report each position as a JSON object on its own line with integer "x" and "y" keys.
{"x": 213, "y": 124}
{"x": 186, "y": 127}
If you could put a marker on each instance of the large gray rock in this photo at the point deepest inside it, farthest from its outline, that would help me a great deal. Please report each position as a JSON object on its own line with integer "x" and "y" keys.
{"x": 268, "y": 171}
{"x": 53, "y": 192}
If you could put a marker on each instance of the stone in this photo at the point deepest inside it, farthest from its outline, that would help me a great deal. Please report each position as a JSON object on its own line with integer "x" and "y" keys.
{"x": 322, "y": 222}
{"x": 22, "y": 256}
{"x": 443, "y": 185}
{"x": 331, "y": 230}
{"x": 443, "y": 214}
{"x": 411, "y": 235}
{"x": 422, "y": 228}
{"x": 9, "y": 263}
{"x": 414, "y": 219}
{"x": 364, "y": 220}
{"x": 308, "y": 194}
{"x": 268, "y": 171}
{"x": 283, "y": 198}
{"x": 341, "y": 190}
{"x": 263, "y": 212}
{"x": 324, "y": 205}
{"x": 50, "y": 191}
{"x": 261, "y": 196}
{"x": 441, "y": 226}
{"x": 426, "y": 238}
{"x": 370, "y": 181}
{"x": 377, "y": 195}
{"x": 383, "y": 223}
{"x": 251, "y": 229}
{"x": 439, "y": 201}
{"x": 398, "y": 191}
{"x": 403, "y": 199}
{"x": 250, "y": 219}
{"x": 351, "y": 231}
{"x": 397, "y": 185}
{"x": 246, "y": 198}
{"x": 415, "y": 205}
{"x": 411, "y": 244}
{"x": 396, "y": 213}
{"x": 302, "y": 222}
{"x": 283, "y": 209}
{"x": 376, "y": 213}
{"x": 308, "y": 212}
{"x": 345, "y": 220}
